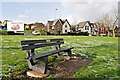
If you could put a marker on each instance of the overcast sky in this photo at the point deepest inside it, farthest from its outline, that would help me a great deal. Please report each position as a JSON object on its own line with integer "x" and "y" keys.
{"x": 31, "y": 11}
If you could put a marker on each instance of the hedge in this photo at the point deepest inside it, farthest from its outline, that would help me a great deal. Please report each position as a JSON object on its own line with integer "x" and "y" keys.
{"x": 5, "y": 32}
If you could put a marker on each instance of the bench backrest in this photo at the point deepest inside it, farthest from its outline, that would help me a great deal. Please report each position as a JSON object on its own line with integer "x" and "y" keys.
{"x": 32, "y": 44}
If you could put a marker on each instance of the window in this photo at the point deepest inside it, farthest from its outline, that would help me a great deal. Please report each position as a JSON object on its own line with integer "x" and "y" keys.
{"x": 103, "y": 28}
{"x": 65, "y": 30}
{"x": 65, "y": 26}
{"x": 86, "y": 27}
{"x": 57, "y": 26}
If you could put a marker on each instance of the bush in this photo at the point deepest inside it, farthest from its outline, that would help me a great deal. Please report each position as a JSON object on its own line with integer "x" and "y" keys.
{"x": 77, "y": 33}
{"x": 71, "y": 33}
{"x": 11, "y": 32}
{"x": 4, "y": 32}
{"x": 0, "y": 32}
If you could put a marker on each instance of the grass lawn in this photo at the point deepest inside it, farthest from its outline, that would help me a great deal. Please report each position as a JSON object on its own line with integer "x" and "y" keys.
{"x": 103, "y": 51}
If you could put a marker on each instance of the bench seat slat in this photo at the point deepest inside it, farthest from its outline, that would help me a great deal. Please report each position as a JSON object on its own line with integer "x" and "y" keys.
{"x": 40, "y": 45}
{"x": 49, "y": 53}
{"x": 27, "y": 42}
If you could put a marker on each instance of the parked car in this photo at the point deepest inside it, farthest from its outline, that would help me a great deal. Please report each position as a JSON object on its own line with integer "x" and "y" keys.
{"x": 35, "y": 33}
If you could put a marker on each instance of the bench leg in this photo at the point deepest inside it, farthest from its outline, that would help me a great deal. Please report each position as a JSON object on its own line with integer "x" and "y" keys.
{"x": 69, "y": 53}
{"x": 58, "y": 55}
{"x": 46, "y": 64}
{"x": 30, "y": 61}
{"x": 38, "y": 68}
{"x": 42, "y": 68}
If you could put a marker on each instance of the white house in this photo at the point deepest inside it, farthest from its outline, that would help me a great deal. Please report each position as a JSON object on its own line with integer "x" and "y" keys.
{"x": 96, "y": 29}
{"x": 66, "y": 26}
{"x": 84, "y": 27}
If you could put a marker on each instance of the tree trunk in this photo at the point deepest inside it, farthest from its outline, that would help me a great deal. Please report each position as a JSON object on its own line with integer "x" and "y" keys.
{"x": 108, "y": 32}
{"x": 113, "y": 32}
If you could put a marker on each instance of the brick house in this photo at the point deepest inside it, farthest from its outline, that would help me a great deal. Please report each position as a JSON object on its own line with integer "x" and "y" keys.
{"x": 102, "y": 31}
{"x": 58, "y": 25}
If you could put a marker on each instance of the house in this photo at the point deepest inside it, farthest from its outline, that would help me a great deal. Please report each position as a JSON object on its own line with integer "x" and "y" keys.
{"x": 5, "y": 24}
{"x": 0, "y": 25}
{"x": 92, "y": 28}
{"x": 102, "y": 31}
{"x": 27, "y": 26}
{"x": 84, "y": 27}
{"x": 66, "y": 26}
{"x": 49, "y": 26}
{"x": 117, "y": 31}
{"x": 96, "y": 28}
{"x": 33, "y": 26}
{"x": 58, "y": 25}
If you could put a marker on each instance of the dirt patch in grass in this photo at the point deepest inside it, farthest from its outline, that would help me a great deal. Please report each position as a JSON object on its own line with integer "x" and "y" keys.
{"x": 67, "y": 68}
{"x": 64, "y": 69}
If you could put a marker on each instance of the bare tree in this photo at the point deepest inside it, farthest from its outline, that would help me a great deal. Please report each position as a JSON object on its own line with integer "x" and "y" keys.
{"x": 107, "y": 20}
{"x": 114, "y": 21}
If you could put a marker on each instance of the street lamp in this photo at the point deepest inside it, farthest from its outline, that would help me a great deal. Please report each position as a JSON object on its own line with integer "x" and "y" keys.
{"x": 55, "y": 18}
{"x": 55, "y": 13}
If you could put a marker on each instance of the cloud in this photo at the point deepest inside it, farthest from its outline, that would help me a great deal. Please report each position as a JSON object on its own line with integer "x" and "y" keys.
{"x": 29, "y": 11}
{"x": 89, "y": 9}
{"x": 22, "y": 16}
{"x": 25, "y": 14}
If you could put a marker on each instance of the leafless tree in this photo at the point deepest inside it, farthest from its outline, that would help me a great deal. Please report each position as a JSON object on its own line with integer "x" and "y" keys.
{"x": 114, "y": 21}
{"x": 107, "y": 20}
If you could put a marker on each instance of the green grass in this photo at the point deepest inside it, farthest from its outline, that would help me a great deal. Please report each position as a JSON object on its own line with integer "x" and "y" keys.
{"x": 103, "y": 51}
{"x": 28, "y": 31}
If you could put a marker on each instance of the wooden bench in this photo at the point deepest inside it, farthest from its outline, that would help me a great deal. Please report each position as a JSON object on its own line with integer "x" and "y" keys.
{"x": 31, "y": 45}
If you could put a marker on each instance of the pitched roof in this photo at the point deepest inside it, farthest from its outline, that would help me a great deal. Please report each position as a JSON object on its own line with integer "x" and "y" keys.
{"x": 50, "y": 23}
{"x": 7, "y": 20}
{"x": 91, "y": 24}
{"x": 54, "y": 22}
{"x": 67, "y": 22}
{"x": 81, "y": 24}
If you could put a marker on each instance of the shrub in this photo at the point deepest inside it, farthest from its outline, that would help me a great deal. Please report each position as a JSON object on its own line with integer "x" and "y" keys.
{"x": 58, "y": 31}
{"x": 4, "y": 32}
{"x": 0, "y": 32}
{"x": 11, "y": 32}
